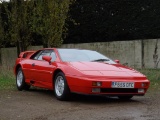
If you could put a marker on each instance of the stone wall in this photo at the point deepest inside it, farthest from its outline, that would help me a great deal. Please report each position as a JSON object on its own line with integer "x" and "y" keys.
{"x": 128, "y": 52}
{"x": 9, "y": 55}
{"x": 152, "y": 53}
{"x": 137, "y": 53}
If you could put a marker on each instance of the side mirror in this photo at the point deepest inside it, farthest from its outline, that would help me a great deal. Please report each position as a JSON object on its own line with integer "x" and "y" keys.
{"x": 47, "y": 58}
{"x": 117, "y": 61}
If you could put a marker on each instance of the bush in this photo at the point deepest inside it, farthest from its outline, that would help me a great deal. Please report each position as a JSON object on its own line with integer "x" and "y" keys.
{"x": 108, "y": 20}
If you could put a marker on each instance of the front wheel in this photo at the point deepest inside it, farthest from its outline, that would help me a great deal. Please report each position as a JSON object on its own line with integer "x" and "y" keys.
{"x": 61, "y": 89}
{"x": 125, "y": 97}
{"x": 20, "y": 81}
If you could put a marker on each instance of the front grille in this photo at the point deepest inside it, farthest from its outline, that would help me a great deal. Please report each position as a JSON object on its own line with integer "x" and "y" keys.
{"x": 119, "y": 90}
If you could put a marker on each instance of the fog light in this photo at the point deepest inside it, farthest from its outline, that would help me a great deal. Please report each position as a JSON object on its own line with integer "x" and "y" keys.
{"x": 96, "y": 83}
{"x": 140, "y": 90}
{"x": 144, "y": 84}
{"x": 96, "y": 90}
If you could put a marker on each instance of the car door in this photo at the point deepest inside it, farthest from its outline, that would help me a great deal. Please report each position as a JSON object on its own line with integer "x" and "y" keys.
{"x": 43, "y": 70}
{"x": 28, "y": 68}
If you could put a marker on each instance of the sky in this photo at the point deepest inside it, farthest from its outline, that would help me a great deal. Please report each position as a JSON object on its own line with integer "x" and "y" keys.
{"x": 4, "y": 0}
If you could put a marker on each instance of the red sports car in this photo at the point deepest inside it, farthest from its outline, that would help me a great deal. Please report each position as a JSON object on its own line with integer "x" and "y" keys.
{"x": 69, "y": 71}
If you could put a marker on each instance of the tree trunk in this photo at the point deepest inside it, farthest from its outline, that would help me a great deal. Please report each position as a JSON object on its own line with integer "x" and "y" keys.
{"x": 0, "y": 57}
{"x": 18, "y": 48}
{"x": 143, "y": 63}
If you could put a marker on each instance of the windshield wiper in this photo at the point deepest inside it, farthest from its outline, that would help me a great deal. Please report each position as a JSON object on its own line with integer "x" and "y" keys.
{"x": 100, "y": 60}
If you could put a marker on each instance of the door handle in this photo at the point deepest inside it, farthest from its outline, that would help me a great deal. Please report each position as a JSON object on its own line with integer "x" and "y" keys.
{"x": 33, "y": 64}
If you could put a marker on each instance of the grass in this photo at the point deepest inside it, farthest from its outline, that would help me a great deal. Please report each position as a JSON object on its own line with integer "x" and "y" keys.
{"x": 154, "y": 76}
{"x": 7, "y": 78}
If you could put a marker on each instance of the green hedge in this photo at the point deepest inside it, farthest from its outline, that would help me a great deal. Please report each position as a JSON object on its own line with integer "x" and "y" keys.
{"x": 107, "y": 20}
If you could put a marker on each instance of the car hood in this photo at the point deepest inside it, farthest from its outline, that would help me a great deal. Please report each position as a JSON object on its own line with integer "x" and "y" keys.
{"x": 105, "y": 69}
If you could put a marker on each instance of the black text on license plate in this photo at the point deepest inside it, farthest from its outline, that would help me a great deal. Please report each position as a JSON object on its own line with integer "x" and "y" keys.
{"x": 122, "y": 84}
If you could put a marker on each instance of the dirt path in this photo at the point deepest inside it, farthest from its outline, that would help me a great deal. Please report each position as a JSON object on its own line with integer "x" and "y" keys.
{"x": 42, "y": 105}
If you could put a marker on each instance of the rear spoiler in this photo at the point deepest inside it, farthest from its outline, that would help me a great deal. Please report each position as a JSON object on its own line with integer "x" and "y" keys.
{"x": 25, "y": 54}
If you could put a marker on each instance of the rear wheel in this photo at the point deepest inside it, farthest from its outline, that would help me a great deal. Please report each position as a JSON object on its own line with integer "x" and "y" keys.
{"x": 61, "y": 89}
{"x": 125, "y": 97}
{"x": 20, "y": 81}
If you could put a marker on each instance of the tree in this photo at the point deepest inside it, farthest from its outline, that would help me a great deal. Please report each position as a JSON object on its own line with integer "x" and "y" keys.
{"x": 15, "y": 22}
{"x": 1, "y": 32}
{"x": 20, "y": 31}
{"x": 111, "y": 20}
{"x": 27, "y": 21}
{"x": 48, "y": 20}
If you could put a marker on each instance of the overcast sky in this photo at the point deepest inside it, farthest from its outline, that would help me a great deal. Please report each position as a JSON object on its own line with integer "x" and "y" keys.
{"x": 5, "y": 0}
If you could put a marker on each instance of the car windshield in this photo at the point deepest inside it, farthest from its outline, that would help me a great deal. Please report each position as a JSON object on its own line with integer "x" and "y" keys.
{"x": 75, "y": 55}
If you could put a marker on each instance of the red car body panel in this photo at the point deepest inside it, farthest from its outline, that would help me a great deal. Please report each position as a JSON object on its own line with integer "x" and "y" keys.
{"x": 80, "y": 75}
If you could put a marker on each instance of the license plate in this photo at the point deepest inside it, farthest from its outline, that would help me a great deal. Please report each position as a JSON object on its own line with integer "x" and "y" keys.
{"x": 122, "y": 84}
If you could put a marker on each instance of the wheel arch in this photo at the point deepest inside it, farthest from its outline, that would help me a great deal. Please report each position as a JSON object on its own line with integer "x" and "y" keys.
{"x": 17, "y": 67}
{"x": 55, "y": 73}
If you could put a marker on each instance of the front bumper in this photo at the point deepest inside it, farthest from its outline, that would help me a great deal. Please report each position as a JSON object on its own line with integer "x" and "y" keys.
{"x": 85, "y": 86}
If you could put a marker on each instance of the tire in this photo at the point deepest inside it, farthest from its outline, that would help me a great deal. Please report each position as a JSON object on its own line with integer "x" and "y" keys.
{"x": 125, "y": 97}
{"x": 61, "y": 89}
{"x": 20, "y": 81}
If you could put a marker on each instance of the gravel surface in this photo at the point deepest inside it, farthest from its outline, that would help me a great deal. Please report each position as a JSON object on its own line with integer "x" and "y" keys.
{"x": 42, "y": 105}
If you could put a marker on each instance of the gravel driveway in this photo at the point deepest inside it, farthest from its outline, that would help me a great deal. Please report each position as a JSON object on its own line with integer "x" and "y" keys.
{"x": 42, "y": 105}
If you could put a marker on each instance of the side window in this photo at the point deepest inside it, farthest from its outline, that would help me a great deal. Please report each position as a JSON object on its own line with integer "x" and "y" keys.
{"x": 35, "y": 55}
{"x": 53, "y": 55}
{"x": 39, "y": 54}
{"x": 45, "y": 52}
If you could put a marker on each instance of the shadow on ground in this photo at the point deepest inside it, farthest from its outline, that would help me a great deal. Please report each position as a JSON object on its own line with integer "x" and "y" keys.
{"x": 97, "y": 99}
